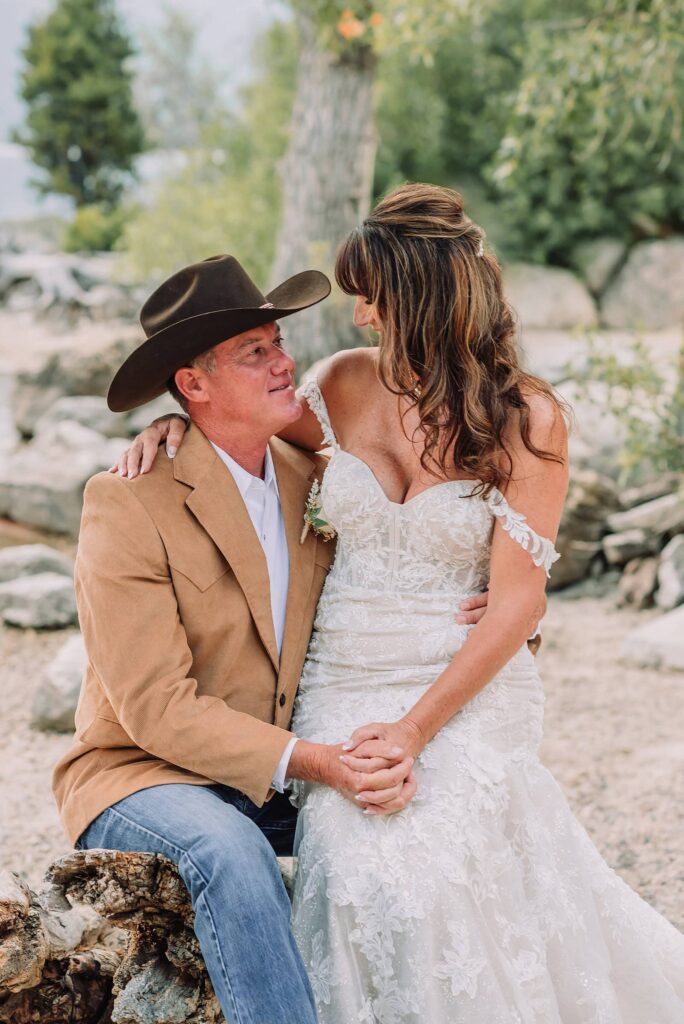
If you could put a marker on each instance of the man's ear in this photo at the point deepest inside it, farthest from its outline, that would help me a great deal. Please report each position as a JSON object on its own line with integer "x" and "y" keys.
{"x": 191, "y": 382}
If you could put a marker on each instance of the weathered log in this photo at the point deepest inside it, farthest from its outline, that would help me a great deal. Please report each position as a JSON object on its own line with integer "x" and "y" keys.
{"x": 107, "y": 939}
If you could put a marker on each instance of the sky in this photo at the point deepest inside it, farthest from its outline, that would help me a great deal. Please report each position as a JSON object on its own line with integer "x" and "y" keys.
{"x": 226, "y": 32}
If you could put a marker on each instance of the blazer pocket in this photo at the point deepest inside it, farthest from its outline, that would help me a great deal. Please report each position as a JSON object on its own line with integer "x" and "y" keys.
{"x": 204, "y": 573}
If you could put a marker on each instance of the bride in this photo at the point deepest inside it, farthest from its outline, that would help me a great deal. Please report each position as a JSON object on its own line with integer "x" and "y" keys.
{"x": 472, "y": 896}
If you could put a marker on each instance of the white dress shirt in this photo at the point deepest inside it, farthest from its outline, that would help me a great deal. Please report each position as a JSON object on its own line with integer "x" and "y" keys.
{"x": 262, "y": 501}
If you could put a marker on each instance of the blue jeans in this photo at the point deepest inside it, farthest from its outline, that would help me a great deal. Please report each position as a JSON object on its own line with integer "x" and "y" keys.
{"x": 225, "y": 848}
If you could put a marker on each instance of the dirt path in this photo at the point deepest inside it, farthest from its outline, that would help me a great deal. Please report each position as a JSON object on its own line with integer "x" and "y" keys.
{"x": 613, "y": 740}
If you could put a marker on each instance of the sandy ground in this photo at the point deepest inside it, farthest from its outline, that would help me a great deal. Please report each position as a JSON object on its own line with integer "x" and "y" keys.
{"x": 613, "y": 740}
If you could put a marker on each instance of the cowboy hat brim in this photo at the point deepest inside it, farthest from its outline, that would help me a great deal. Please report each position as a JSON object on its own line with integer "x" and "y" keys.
{"x": 144, "y": 375}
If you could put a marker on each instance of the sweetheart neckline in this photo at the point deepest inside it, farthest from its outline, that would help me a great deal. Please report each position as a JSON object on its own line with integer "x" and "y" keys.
{"x": 399, "y": 504}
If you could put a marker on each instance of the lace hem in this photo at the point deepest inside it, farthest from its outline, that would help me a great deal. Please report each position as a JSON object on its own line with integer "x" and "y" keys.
{"x": 311, "y": 392}
{"x": 515, "y": 524}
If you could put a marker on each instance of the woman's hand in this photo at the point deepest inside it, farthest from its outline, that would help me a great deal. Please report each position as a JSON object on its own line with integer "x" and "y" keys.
{"x": 139, "y": 458}
{"x": 382, "y": 740}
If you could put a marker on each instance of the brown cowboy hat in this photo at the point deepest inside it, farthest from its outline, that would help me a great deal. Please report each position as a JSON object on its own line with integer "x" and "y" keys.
{"x": 197, "y": 308}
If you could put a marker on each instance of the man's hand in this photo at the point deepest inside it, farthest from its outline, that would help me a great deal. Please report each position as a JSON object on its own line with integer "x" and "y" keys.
{"x": 384, "y": 785}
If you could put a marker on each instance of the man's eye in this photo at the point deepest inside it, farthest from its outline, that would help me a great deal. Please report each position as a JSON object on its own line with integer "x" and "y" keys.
{"x": 279, "y": 340}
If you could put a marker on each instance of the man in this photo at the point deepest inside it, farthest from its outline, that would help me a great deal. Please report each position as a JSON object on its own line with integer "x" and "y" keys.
{"x": 196, "y": 601}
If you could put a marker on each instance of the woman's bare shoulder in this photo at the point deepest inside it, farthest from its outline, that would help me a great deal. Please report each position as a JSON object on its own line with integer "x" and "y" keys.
{"x": 348, "y": 366}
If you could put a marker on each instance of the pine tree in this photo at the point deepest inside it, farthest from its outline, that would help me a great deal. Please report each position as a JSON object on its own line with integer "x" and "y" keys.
{"x": 81, "y": 128}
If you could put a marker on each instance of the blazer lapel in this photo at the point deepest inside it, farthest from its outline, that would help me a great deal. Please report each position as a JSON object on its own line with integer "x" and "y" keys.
{"x": 217, "y": 504}
{"x": 295, "y": 474}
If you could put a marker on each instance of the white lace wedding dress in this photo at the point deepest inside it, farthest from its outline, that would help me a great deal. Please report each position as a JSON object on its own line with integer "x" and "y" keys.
{"x": 484, "y": 902}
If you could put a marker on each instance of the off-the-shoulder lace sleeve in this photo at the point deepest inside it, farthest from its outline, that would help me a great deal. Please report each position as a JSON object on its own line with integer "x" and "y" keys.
{"x": 312, "y": 393}
{"x": 515, "y": 524}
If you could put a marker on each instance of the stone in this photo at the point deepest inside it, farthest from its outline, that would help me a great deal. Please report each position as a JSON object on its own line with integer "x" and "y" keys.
{"x": 658, "y": 643}
{"x": 45, "y": 601}
{"x": 591, "y": 497}
{"x": 548, "y": 297}
{"x": 41, "y": 484}
{"x": 620, "y": 548}
{"x": 86, "y": 370}
{"x": 597, "y": 260}
{"x": 638, "y": 583}
{"x": 671, "y": 574}
{"x": 664, "y": 483}
{"x": 552, "y": 354}
{"x": 89, "y": 410}
{"x": 32, "y": 559}
{"x": 649, "y": 290}
{"x": 55, "y": 700}
{"x": 138, "y": 419}
{"x": 664, "y": 515}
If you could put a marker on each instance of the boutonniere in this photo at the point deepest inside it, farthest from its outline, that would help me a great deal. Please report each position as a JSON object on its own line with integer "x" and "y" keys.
{"x": 313, "y": 519}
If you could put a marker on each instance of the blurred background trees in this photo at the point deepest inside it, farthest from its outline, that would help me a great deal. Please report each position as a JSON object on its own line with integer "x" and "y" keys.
{"x": 559, "y": 124}
{"x": 82, "y": 128}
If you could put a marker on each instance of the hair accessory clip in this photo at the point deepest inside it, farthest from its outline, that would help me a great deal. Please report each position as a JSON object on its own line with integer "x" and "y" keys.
{"x": 480, "y": 248}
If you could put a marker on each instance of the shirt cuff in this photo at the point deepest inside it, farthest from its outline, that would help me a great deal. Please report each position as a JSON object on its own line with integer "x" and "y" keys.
{"x": 279, "y": 782}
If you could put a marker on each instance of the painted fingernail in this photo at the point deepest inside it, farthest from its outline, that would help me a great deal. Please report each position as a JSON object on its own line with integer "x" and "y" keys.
{"x": 368, "y": 812}
{"x": 121, "y": 473}
{"x": 131, "y": 474}
{"x": 360, "y": 797}
{"x": 171, "y": 451}
{"x": 461, "y": 619}
{"x": 396, "y": 750}
{"x": 343, "y": 758}
{"x": 347, "y": 746}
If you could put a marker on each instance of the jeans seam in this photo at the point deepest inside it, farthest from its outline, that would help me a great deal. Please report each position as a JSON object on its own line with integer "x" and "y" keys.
{"x": 184, "y": 853}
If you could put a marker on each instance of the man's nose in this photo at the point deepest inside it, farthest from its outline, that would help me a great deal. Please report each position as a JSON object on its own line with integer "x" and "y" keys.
{"x": 283, "y": 362}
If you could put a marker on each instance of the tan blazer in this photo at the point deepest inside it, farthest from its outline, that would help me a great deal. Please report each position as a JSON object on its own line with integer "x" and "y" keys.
{"x": 183, "y": 682}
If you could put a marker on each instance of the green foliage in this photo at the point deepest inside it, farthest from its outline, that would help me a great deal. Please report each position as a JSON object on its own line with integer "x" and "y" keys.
{"x": 226, "y": 198}
{"x": 647, "y": 401}
{"x": 97, "y": 228}
{"x": 593, "y": 141}
{"x": 81, "y": 127}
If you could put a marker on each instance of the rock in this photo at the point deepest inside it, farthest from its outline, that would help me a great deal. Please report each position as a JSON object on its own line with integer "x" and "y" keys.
{"x": 671, "y": 574}
{"x": 620, "y": 548}
{"x": 657, "y": 643}
{"x": 54, "y": 703}
{"x": 664, "y": 515}
{"x": 137, "y": 420}
{"x": 548, "y": 297}
{"x": 665, "y": 483}
{"x": 31, "y": 559}
{"x": 45, "y": 601}
{"x": 71, "y": 372}
{"x": 638, "y": 583}
{"x": 597, "y": 260}
{"x": 649, "y": 290}
{"x": 596, "y": 437}
{"x": 89, "y": 410}
{"x": 590, "y": 499}
{"x": 552, "y": 354}
{"x": 42, "y": 483}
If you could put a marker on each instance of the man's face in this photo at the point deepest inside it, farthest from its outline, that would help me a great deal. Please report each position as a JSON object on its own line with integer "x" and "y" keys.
{"x": 252, "y": 383}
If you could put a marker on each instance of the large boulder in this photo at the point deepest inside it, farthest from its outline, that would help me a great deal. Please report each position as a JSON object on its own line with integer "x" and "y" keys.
{"x": 55, "y": 700}
{"x": 649, "y": 290}
{"x": 32, "y": 559}
{"x": 638, "y": 583}
{"x": 548, "y": 297}
{"x": 89, "y": 410}
{"x": 671, "y": 574}
{"x": 621, "y": 548}
{"x": 75, "y": 371}
{"x": 45, "y": 601}
{"x": 597, "y": 260}
{"x": 42, "y": 483}
{"x": 658, "y": 643}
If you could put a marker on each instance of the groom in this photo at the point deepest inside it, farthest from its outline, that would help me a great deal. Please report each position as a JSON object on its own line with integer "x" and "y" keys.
{"x": 196, "y": 601}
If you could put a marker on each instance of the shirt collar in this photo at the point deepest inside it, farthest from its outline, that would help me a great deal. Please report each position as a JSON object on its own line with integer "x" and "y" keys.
{"x": 242, "y": 478}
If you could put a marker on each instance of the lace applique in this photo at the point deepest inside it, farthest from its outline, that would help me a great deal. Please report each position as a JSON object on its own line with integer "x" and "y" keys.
{"x": 541, "y": 549}
{"x": 312, "y": 393}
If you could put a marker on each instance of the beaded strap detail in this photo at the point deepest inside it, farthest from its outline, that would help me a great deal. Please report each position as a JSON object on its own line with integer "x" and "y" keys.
{"x": 541, "y": 550}
{"x": 312, "y": 393}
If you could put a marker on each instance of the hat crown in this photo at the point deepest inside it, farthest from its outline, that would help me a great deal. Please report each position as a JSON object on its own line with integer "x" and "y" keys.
{"x": 217, "y": 283}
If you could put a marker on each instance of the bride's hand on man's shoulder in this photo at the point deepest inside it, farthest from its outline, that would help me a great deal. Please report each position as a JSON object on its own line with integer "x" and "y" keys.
{"x": 139, "y": 458}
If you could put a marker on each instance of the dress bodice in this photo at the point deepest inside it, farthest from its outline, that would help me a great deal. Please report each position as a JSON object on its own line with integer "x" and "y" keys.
{"x": 437, "y": 541}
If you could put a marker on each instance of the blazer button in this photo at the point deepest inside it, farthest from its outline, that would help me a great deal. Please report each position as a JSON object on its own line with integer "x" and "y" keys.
{"x": 283, "y": 700}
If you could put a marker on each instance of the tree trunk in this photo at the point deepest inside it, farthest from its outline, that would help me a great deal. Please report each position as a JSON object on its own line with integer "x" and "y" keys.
{"x": 327, "y": 176}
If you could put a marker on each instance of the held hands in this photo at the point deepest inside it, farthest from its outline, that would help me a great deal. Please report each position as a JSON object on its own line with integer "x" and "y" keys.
{"x": 140, "y": 457}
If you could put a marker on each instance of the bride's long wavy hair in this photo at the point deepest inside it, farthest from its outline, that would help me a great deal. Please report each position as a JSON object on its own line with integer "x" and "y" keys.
{"x": 448, "y": 340}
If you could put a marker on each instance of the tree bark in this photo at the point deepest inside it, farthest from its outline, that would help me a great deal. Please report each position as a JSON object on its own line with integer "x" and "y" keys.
{"x": 327, "y": 177}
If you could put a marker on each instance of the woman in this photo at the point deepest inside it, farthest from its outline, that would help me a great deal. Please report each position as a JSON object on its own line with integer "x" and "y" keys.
{"x": 483, "y": 900}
